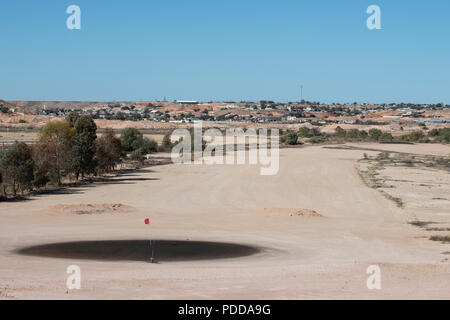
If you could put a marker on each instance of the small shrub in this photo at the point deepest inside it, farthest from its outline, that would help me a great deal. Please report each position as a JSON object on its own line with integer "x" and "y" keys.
{"x": 137, "y": 155}
{"x": 291, "y": 138}
{"x": 316, "y": 140}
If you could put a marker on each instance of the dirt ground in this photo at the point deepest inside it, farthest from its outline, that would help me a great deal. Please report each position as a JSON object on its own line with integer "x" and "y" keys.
{"x": 226, "y": 232}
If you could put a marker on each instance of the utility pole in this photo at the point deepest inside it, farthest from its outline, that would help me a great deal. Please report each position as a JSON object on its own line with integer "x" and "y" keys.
{"x": 301, "y": 93}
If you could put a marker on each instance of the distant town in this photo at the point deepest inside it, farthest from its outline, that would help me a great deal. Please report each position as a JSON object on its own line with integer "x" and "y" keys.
{"x": 263, "y": 111}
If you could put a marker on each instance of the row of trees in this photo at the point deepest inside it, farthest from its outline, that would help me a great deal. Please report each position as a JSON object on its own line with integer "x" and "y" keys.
{"x": 314, "y": 135}
{"x": 133, "y": 141}
{"x": 440, "y": 135}
{"x": 68, "y": 149}
{"x": 71, "y": 148}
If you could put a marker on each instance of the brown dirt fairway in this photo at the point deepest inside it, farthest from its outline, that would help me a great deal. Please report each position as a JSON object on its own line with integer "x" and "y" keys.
{"x": 309, "y": 232}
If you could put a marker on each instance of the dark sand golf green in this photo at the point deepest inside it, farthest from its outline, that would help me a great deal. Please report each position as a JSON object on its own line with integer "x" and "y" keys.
{"x": 139, "y": 250}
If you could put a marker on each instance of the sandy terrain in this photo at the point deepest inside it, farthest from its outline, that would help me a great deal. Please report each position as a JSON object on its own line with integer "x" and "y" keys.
{"x": 224, "y": 232}
{"x": 418, "y": 183}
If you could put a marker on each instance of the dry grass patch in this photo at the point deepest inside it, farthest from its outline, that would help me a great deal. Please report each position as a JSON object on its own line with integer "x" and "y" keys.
{"x": 443, "y": 239}
{"x": 292, "y": 212}
{"x": 89, "y": 209}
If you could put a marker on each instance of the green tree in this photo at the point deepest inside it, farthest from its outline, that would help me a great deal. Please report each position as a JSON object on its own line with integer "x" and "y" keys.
{"x": 137, "y": 155}
{"x": 3, "y": 109}
{"x": 440, "y": 135}
{"x": 83, "y": 145}
{"x": 375, "y": 134}
{"x": 315, "y": 132}
{"x": 71, "y": 118}
{"x": 340, "y": 132}
{"x": 304, "y": 132}
{"x": 433, "y": 133}
{"x": 363, "y": 135}
{"x": 55, "y": 140}
{"x": 444, "y": 135}
{"x": 166, "y": 144}
{"x": 291, "y": 138}
{"x": 149, "y": 146}
{"x": 43, "y": 164}
{"x": 108, "y": 152}
{"x": 17, "y": 167}
{"x": 387, "y": 137}
{"x": 131, "y": 139}
{"x": 416, "y": 136}
{"x": 353, "y": 134}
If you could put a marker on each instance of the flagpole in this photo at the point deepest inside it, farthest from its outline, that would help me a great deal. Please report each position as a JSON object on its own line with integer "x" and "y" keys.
{"x": 150, "y": 244}
{"x": 152, "y": 259}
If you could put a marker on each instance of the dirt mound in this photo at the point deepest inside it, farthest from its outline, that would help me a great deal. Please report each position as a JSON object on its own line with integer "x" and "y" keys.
{"x": 292, "y": 212}
{"x": 89, "y": 208}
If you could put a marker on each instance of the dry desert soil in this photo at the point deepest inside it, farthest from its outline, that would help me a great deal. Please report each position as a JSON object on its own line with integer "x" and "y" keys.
{"x": 226, "y": 232}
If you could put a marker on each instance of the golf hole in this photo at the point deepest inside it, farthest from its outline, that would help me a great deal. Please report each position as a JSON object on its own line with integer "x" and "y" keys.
{"x": 140, "y": 250}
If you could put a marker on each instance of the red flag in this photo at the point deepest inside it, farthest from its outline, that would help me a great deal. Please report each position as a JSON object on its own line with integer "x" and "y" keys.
{"x": 147, "y": 221}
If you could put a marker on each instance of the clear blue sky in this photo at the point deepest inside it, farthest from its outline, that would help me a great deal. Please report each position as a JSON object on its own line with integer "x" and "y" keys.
{"x": 226, "y": 50}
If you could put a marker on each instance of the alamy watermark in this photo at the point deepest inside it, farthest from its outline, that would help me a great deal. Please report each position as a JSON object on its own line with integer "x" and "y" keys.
{"x": 73, "y": 22}
{"x": 236, "y": 147}
{"x": 374, "y": 280}
{"x": 74, "y": 279}
{"x": 374, "y": 20}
